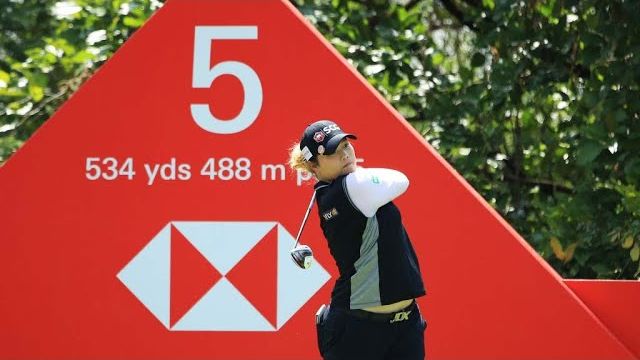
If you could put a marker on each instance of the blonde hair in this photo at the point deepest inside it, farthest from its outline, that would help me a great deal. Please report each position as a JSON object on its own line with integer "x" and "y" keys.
{"x": 297, "y": 160}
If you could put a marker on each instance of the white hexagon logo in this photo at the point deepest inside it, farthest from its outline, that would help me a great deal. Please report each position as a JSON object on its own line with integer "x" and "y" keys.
{"x": 216, "y": 303}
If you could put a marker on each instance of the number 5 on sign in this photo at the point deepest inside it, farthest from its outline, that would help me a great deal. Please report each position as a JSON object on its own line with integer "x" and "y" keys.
{"x": 204, "y": 75}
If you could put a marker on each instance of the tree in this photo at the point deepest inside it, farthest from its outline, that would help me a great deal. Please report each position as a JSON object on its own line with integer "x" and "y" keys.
{"x": 535, "y": 103}
{"x": 48, "y": 49}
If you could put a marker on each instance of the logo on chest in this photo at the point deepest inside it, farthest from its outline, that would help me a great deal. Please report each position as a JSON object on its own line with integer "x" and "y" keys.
{"x": 328, "y": 215}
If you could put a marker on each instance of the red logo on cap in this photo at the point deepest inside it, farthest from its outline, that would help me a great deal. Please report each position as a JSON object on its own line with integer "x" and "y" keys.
{"x": 318, "y": 137}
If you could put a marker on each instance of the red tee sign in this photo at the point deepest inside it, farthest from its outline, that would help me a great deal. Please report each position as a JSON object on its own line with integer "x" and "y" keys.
{"x": 152, "y": 215}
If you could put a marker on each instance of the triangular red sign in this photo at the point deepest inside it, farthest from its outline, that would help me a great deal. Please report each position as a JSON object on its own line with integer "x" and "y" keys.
{"x": 138, "y": 147}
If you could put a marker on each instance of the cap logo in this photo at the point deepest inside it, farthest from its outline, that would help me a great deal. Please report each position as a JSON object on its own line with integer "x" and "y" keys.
{"x": 330, "y": 128}
{"x": 320, "y": 149}
{"x": 318, "y": 137}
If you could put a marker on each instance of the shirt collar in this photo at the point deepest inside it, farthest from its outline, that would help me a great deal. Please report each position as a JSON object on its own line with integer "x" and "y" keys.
{"x": 320, "y": 184}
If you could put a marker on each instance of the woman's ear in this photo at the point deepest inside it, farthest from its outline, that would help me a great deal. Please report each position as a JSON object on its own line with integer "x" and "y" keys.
{"x": 314, "y": 166}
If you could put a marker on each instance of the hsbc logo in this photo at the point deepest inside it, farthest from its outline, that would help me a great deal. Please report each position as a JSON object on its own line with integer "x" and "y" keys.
{"x": 221, "y": 276}
{"x": 318, "y": 137}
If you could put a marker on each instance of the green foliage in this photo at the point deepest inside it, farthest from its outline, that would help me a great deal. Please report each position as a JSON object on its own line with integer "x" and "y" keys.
{"x": 48, "y": 48}
{"x": 535, "y": 103}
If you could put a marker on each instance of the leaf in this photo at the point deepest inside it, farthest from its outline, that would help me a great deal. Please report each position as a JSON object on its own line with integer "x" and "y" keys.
{"x": 635, "y": 252}
{"x": 489, "y": 4}
{"x": 590, "y": 99}
{"x": 7, "y": 127}
{"x": 620, "y": 115}
{"x": 588, "y": 150}
{"x": 407, "y": 111}
{"x": 557, "y": 248}
{"x": 601, "y": 270}
{"x": 546, "y": 8}
{"x": 4, "y": 78}
{"x": 570, "y": 251}
{"x": 96, "y": 36}
{"x": 614, "y": 235}
{"x": 628, "y": 242}
{"x": 11, "y": 92}
{"x": 132, "y": 22}
{"x": 82, "y": 57}
{"x": 36, "y": 92}
{"x": 632, "y": 169}
{"x": 437, "y": 59}
{"x": 373, "y": 69}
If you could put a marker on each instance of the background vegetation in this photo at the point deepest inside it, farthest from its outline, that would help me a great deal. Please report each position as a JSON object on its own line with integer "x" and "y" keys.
{"x": 536, "y": 103}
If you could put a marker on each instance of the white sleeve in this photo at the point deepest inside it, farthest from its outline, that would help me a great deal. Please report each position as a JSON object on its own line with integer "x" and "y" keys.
{"x": 369, "y": 189}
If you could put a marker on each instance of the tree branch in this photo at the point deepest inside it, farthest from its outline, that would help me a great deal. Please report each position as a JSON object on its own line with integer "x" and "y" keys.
{"x": 458, "y": 14}
{"x": 474, "y": 3}
{"x": 545, "y": 185}
{"x": 67, "y": 87}
{"x": 33, "y": 112}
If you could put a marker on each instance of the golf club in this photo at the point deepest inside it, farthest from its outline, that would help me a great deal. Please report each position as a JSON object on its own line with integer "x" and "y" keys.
{"x": 302, "y": 254}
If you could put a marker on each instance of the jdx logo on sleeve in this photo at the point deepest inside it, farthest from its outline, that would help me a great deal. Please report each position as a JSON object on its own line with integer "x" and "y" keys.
{"x": 163, "y": 278}
{"x": 328, "y": 215}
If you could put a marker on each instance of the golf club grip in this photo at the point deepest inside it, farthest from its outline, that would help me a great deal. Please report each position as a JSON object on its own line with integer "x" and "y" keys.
{"x": 306, "y": 216}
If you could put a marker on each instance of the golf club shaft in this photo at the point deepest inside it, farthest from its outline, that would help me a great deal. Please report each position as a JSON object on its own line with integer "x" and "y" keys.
{"x": 306, "y": 216}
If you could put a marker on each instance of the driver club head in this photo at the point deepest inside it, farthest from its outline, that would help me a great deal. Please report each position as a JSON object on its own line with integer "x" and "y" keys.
{"x": 302, "y": 256}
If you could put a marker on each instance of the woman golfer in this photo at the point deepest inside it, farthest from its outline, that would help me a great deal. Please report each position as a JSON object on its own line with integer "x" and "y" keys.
{"x": 373, "y": 314}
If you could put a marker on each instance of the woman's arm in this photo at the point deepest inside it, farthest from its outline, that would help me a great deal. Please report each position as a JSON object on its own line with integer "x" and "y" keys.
{"x": 369, "y": 189}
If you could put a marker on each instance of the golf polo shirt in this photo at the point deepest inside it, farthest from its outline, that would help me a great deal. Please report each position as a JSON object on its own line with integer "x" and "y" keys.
{"x": 367, "y": 239}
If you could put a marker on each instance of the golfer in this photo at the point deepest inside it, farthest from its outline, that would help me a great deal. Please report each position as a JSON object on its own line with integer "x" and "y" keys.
{"x": 373, "y": 313}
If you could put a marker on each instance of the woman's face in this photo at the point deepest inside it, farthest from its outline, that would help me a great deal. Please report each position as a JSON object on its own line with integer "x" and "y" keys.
{"x": 342, "y": 161}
